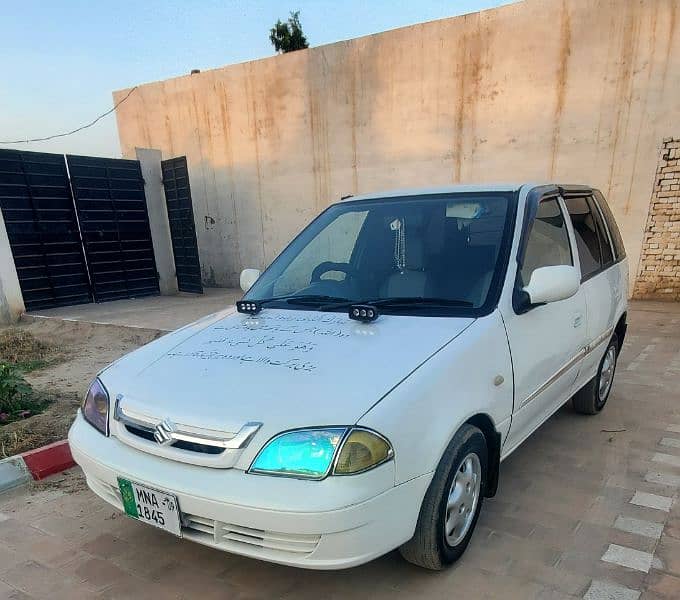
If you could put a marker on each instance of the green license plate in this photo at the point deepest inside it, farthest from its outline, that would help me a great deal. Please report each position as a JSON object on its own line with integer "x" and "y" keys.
{"x": 151, "y": 506}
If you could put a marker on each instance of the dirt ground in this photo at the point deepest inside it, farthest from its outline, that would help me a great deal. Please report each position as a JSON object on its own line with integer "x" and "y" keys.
{"x": 77, "y": 351}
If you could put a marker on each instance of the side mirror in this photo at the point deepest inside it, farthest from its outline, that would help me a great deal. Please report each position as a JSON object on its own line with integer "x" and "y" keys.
{"x": 551, "y": 284}
{"x": 248, "y": 278}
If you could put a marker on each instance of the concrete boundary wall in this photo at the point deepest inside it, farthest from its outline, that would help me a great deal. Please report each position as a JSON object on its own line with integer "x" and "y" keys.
{"x": 579, "y": 91}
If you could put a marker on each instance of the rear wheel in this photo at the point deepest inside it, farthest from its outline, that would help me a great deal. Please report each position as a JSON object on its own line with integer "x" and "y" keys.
{"x": 452, "y": 503}
{"x": 592, "y": 397}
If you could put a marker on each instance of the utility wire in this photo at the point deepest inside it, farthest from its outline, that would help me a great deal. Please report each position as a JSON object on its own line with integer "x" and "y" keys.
{"x": 58, "y": 135}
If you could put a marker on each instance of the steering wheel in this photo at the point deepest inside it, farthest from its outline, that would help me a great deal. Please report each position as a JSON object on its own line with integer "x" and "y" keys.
{"x": 327, "y": 266}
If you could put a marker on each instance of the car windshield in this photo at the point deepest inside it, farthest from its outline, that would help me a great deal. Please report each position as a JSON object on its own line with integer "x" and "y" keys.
{"x": 413, "y": 255}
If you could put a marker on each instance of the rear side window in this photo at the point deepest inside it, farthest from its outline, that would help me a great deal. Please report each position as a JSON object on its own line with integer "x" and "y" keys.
{"x": 605, "y": 244}
{"x": 548, "y": 242}
{"x": 587, "y": 237}
{"x": 617, "y": 240}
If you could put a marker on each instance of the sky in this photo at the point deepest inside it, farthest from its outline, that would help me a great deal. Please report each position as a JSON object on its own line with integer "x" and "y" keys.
{"x": 61, "y": 59}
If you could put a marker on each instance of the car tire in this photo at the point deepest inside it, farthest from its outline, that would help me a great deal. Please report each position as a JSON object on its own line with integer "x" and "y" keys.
{"x": 461, "y": 478}
{"x": 592, "y": 397}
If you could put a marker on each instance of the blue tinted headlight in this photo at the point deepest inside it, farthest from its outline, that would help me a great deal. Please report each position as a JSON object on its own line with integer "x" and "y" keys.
{"x": 304, "y": 453}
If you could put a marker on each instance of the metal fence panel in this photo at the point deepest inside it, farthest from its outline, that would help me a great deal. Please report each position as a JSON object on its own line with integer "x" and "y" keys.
{"x": 182, "y": 225}
{"x": 37, "y": 206}
{"x": 114, "y": 222}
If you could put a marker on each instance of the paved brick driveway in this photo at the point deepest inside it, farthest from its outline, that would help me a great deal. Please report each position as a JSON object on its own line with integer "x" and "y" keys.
{"x": 588, "y": 507}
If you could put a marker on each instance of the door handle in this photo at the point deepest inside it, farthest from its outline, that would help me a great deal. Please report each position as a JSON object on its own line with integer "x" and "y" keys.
{"x": 578, "y": 320}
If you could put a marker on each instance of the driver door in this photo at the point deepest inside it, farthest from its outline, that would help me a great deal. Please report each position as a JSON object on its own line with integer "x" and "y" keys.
{"x": 547, "y": 341}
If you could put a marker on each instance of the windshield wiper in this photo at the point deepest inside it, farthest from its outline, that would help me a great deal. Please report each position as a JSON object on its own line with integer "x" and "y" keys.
{"x": 394, "y": 302}
{"x": 252, "y": 307}
{"x": 417, "y": 301}
{"x": 308, "y": 299}
{"x": 322, "y": 302}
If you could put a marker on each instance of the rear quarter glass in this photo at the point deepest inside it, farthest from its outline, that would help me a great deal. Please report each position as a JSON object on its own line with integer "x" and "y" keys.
{"x": 617, "y": 240}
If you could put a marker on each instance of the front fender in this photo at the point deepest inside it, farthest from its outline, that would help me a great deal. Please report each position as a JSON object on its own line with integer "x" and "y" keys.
{"x": 421, "y": 415}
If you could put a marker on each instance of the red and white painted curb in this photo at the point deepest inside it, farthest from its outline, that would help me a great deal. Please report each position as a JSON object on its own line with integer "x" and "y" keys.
{"x": 35, "y": 464}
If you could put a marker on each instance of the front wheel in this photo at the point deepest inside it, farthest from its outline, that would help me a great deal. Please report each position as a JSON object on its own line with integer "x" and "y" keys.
{"x": 452, "y": 503}
{"x": 592, "y": 397}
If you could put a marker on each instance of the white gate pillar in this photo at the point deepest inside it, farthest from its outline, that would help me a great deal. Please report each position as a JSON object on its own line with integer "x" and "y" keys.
{"x": 11, "y": 298}
{"x": 150, "y": 162}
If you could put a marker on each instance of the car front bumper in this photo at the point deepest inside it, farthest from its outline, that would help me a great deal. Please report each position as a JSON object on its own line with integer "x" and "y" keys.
{"x": 336, "y": 523}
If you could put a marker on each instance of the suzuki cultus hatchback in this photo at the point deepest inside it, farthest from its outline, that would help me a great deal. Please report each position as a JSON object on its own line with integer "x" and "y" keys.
{"x": 364, "y": 393}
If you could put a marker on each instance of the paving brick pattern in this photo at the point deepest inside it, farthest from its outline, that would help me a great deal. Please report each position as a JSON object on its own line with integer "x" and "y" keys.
{"x": 564, "y": 503}
{"x": 659, "y": 270}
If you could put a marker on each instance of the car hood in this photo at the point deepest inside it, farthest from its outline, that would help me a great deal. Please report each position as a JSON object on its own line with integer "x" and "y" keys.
{"x": 285, "y": 368}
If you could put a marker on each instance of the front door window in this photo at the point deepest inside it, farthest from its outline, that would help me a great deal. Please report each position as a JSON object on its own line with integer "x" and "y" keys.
{"x": 548, "y": 243}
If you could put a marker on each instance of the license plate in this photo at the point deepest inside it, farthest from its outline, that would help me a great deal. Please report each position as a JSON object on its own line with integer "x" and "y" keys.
{"x": 154, "y": 507}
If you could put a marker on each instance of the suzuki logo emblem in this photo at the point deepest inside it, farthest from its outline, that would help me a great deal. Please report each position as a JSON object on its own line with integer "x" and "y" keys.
{"x": 163, "y": 432}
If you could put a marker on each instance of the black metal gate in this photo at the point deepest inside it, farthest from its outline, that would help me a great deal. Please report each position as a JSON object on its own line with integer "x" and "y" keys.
{"x": 42, "y": 228}
{"x": 182, "y": 226}
{"x": 114, "y": 222}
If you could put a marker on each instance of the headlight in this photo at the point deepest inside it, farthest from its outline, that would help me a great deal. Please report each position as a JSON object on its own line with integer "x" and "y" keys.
{"x": 305, "y": 453}
{"x": 362, "y": 450}
{"x": 95, "y": 407}
{"x": 310, "y": 453}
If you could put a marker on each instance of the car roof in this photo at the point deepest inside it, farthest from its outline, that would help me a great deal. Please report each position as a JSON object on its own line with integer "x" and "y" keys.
{"x": 457, "y": 189}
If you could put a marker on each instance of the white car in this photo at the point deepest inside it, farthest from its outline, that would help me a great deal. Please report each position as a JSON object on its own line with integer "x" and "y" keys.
{"x": 371, "y": 381}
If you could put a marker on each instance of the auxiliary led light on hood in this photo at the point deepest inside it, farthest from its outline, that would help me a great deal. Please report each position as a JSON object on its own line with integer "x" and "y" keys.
{"x": 363, "y": 312}
{"x": 248, "y": 307}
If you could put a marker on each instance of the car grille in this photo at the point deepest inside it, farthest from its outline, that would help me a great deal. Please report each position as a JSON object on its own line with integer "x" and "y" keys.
{"x": 247, "y": 540}
{"x": 181, "y": 444}
{"x": 184, "y": 442}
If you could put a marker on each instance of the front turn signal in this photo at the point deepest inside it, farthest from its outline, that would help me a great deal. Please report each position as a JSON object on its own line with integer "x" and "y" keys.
{"x": 362, "y": 450}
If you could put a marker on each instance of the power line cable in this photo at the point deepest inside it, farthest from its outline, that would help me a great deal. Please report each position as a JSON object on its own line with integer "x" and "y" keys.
{"x": 58, "y": 135}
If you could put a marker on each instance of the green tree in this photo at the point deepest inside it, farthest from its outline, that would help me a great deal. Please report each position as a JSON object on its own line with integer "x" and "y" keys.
{"x": 288, "y": 37}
